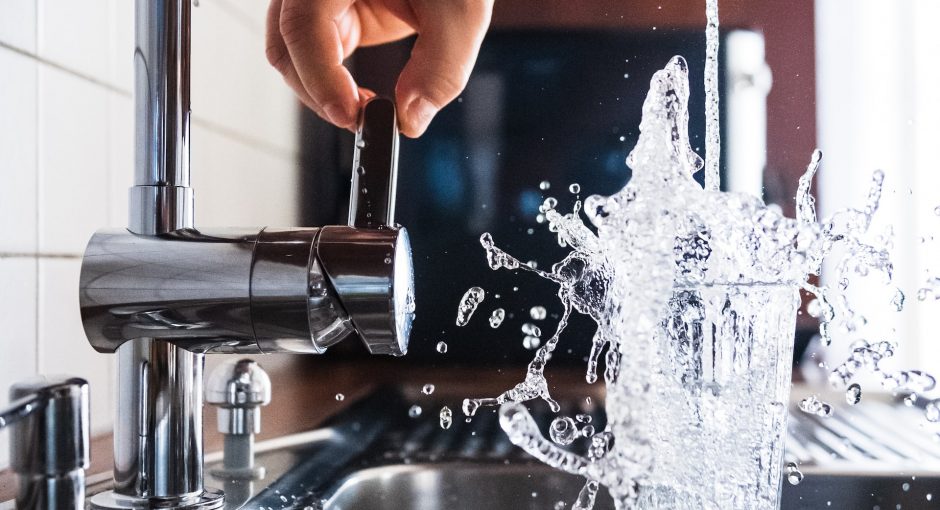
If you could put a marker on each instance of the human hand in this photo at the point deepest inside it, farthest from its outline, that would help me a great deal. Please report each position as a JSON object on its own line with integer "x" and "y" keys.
{"x": 307, "y": 41}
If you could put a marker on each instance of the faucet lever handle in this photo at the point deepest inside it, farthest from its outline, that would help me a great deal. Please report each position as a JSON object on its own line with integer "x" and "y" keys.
{"x": 375, "y": 166}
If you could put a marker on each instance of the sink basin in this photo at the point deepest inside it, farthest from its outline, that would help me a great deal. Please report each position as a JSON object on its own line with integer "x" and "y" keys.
{"x": 471, "y": 486}
{"x": 375, "y": 457}
{"x": 457, "y": 486}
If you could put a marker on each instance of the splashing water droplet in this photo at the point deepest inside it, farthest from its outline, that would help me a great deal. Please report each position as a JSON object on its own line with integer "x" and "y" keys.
{"x": 563, "y": 430}
{"x": 340, "y": 397}
{"x": 584, "y": 418}
{"x": 537, "y": 313}
{"x": 446, "y": 417}
{"x": 441, "y": 347}
{"x": 853, "y": 394}
{"x": 427, "y": 389}
{"x": 531, "y": 329}
{"x": 544, "y": 185}
{"x": 574, "y": 188}
{"x": 794, "y": 475}
{"x": 497, "y": 317}
{"x": 898, "y": 300}
{"x": 910, "y": 399}
{"x": 531, "y": 342}
{"x": 812, "y": 405}
{"x": 414, "y": 411}
{"x": 932, "y": 411}
{"x": 468, "y": 304}
{"x": 587, "y": 496}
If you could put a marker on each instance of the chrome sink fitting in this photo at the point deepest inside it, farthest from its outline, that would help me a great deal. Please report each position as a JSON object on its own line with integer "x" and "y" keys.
{"x": 162, "y": 293}
{"x": 48, "y": 441}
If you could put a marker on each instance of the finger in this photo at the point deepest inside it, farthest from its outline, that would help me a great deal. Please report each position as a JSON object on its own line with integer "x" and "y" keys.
{"x": 279, "y": 58}
{"x": 449, "y": 38}
{"x": 317, "y": 35}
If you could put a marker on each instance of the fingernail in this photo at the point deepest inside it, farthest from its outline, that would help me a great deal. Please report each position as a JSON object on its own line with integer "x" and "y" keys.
{"x": 421, "y": 112}
{"x": 336, "y": 114}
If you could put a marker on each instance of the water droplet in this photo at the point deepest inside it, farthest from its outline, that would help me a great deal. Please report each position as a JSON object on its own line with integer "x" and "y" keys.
{"x": 549, "y": 204}
{"x": 910, "y": 399}
{"x": 531, "y": 342}
{"x": 388, "y": 260}
{"x": 531, "y": 329}
{"x": 537, "y": 313}
{"x": 898, "y": 300}
{"x": 563, "y": 430}
{"x": 574, "y": 188}
{"x": 361, "y": 170}
{"x": 905, "y": 486}
{"x": 559, "y": 505}
{"x": 936, "y": 210}
{"x": 794, "y": 476}
{"x": 584, "y": 418}
{"x": 441, "y": 347}
{"x": 532, "y": 264}
{"x": 414, "y": 411}
{"x": 544, "y": 185}
{"x": 447, "y": 417}
{"x": 340, "y": 397}
{"x": 468, "y": 304}
{"x": 812, "y": 405}
{"x": 932, "y": 411}
{"x": 497, "y": 317}
{"x": 853, "y": 394}
{"x": 365, "y": 191}
{"x": 470, "y": 407}
{"x": 427, "y": 389}
{"x": 360, "y": 143}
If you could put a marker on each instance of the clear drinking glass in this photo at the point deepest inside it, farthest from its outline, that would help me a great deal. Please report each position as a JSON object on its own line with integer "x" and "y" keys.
{"x": 716, "y": 404}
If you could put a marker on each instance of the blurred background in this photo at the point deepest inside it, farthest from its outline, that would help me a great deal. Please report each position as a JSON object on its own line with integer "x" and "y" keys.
{"x": 555, "y": 97}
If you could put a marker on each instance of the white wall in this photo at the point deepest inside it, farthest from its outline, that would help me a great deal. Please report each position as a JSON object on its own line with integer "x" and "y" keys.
{"x": 66, "y": 160}
{"x": 878, "y": 108}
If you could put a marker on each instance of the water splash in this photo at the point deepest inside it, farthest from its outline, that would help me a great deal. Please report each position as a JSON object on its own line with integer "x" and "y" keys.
{"x": 497, "y": 317}
{"x": 812, "y": 405}
{"x": 668, "y": 267}
{"x": 446, "y": 417}
{"x": 468, "y": 304}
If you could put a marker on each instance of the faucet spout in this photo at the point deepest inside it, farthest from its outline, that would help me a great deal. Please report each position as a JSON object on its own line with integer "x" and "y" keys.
{"x": 161, "y": 293}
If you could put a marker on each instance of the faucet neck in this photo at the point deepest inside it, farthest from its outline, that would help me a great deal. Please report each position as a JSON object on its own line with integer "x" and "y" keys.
{"x": 161, "y": 200}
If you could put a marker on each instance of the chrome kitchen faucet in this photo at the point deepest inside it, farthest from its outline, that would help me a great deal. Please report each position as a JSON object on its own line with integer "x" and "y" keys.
{"x": 162, "y": 293}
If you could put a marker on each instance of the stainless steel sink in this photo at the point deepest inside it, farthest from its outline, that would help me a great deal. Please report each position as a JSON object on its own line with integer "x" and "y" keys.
{"x": 375, "y": 457}
{"x": 467, "y": 486}
{"x": 457, "y": 486}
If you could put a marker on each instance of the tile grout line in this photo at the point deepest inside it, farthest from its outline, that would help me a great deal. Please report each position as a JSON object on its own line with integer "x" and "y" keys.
{"x": 64, "y": 69}
{"x": 37, "y": 351}
{"x": 247, "y": 140}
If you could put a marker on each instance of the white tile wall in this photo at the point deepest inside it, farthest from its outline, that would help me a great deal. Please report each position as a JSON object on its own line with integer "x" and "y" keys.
{"x": 66, "y": 160}
{"x": 18, "y": 151}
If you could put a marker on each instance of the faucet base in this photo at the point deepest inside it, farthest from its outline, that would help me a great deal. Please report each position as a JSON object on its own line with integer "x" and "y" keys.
{"x": 110, "y": 500}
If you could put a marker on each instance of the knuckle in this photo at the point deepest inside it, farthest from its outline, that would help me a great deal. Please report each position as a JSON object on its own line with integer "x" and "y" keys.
{"x": 443, "y": 87}
{"x": 293, "y": 21}
{"x": 277, "y": 56}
